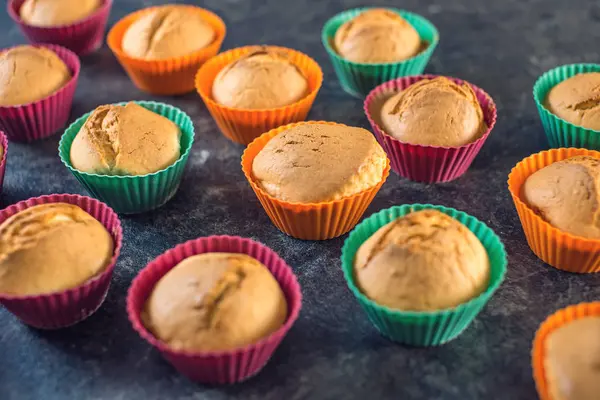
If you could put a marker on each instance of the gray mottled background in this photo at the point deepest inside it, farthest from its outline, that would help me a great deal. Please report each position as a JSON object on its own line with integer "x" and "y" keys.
{"x": 332, "y": 352}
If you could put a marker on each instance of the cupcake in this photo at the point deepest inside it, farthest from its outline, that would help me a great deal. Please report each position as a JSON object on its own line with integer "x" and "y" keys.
{"x": 216, "y": 307}
{"x": 40, "y": 90}
{"x": 3, "y": 157}
{"x": 75, "y": 24}
{"x": 431, "y": 127}
{"x": 215, "y": 302}
{"x": 56, "y": 259}
{"x": 555, "y": 193}
{"x": 567, "y": 103}
{"x": 130, "y": 155}
{"x": 253, "y": 89}
{"x": 565, "y": 354}
{"x": 422, "y": 273}
{"x": 369, "y": 46}
{"x": 161, "y": 48}
{"x": 305, "y": 173}
{"x": 29, "y": 74}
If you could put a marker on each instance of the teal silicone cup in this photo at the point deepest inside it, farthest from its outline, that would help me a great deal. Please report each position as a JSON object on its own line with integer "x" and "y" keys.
{"x": 134, "y": 194}
{"x": 559, "y": 132}
{"x": 358, "y": 79}
{"x": 424, "y": 328}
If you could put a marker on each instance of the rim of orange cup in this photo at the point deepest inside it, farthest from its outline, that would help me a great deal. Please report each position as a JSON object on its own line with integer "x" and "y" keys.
{"x": 550, "y": 324}
{"x": 116, "y": 33}
{"x": 516, "y": 179}
{"x": 260, "y": 142}
{"x": 219, "y": 58}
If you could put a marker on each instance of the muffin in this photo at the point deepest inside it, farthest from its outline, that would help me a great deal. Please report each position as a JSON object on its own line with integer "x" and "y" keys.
{"x": 167, "y": 32}
{"x": 566, "y": 195}
{"x": 48, "y": 13}
{"x": 434, "y": 112}
{"x": 572, "y": 359}
{"x": 423, "y": 261}
{"x": 263, "y": 79}
{"x": 29, "y": 74}
{"x": 313, "y": 163}
{"x": 51, "y": 247}
{"x": 577, "y": 100}
{"x": 215, "y": 302}
{"x": 377, "y": 36}
{"x": 125, "y": 140}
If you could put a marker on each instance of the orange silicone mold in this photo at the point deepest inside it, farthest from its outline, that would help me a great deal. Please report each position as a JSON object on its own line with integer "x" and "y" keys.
{"x": 557, "y": 248}
{"x": 243, "y": 126}
{"x": 312, "y": 221}
{"x": 553, "y": 322}
{"x": 169, "y": 76}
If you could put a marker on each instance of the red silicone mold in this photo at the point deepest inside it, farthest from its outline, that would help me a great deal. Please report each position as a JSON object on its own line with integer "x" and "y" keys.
{"x": 43, "y": 118}
{"x": 429, "y": 164}
{"x": 4, "y": 144}
{"x": 62, "y": 309}
{"x": 81, "y": 37}
{"x": 216, "y": 367}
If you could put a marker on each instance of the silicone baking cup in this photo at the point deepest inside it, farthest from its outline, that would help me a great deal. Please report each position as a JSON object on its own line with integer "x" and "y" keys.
{"x": 130, "y": 194}
{"x": 424, "y": 328}
{"x": 310, "y": 221}
{"x": 216, "y": 367}
{"x": 243, "y": 126}
{"x": 81, "y": 37}
{"x": 168, "y": 76}
{"x": 559, "y": 249}
{"x": 552, "y": 323}
{"x": 559, "y": 132}
{"x": 4, "y": 144}
{"x": 358, "y": 79}
{"x": 62, "y": 309}
{"x": 43, "y": 118}
{"x": 429, "y": 164}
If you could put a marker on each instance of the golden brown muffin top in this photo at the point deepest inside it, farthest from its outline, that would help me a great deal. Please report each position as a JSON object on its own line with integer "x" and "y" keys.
{"x": 263, "y": 79}
{"x": 51, "y": 247}
{"x": 572, "y": 360}
{"x": 424, "y": 261}
{"x": 215, "y": 302}
{"x": 312, "y": 163}
{"x": 29, "y": 74}
{"x": 167, "y": 32}
{"x": 57, "y": 12}
{"x": 125, "y": 140}
{"x": 434, "y": 112}
{"x": 577, "y": 100}
{"x": 566, "y": 194}
{"x": 377, "y": 36}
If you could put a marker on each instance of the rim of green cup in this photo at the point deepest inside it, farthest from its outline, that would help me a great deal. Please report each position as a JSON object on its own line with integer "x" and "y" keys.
{"x": 349, "y": 251}
{"x": 548, "y": 80}
{"x": 64, "y": 148}
{"x": 334, "y": 23}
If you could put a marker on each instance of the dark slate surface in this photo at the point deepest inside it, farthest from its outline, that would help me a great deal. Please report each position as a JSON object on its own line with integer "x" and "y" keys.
{"x": 332, "y": 352}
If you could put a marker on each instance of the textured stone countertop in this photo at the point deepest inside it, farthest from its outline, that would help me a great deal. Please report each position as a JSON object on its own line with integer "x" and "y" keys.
{"x": 332, "y": 352}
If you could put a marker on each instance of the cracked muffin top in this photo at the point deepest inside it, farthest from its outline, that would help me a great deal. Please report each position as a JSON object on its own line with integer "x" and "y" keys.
{"x": 423, "y": 261}
{"x": 377, "y": 36}
{"x": 215, "y": 302}
{"x": 572, "y": 360}
{"x": 49, "y": 13}
{"x": 125, "y": 140}
{"x": 51, "y": 247}
{"x": 312, "y": 163}
{"x": 566, "y": 194}
{"x": 577, "y": 100}
{"x": 434, "y": 112}
{"x": 167, "y": 32}
{"x": 263, "y": 79}
{"x": 29, "y": 74}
